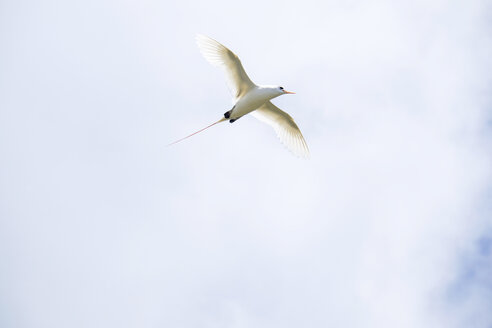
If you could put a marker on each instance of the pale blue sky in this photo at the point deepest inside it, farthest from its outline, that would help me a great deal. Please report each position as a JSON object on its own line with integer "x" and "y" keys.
{"x": 387, "y": 225}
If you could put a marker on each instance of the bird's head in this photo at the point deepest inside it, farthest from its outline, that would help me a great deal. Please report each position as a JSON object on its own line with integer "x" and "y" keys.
{"x": 278, "y": 91}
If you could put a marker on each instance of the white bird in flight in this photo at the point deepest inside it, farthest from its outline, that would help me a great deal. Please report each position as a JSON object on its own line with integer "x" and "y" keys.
{"x": 251, "y": 98}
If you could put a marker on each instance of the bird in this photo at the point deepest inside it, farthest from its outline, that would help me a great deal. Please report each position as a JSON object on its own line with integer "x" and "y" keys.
{"x": 249, "y": 97}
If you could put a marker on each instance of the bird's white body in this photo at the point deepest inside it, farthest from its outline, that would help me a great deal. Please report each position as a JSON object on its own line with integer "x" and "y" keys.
{"x": 251, "y": 98}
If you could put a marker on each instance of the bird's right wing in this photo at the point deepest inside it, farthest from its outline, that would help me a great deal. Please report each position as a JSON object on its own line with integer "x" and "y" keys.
{"x": 285, "y": 127}
{"x": 218, "y": 55}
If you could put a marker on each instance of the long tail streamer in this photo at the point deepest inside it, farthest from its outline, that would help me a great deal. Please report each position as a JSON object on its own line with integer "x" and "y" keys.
{"x": 221, "y": 120}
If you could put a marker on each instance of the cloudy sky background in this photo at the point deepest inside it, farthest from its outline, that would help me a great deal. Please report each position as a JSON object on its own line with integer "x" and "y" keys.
{"x": 387, "y": 225}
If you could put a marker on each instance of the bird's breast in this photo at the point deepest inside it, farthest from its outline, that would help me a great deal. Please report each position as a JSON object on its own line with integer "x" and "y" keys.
{"x": 248, "y": 103}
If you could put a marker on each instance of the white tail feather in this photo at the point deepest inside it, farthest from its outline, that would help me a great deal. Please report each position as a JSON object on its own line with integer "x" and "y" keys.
{"x": 175, "y": 142}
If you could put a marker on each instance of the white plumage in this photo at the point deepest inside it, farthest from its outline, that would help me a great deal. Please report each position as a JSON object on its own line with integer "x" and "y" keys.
{"x": 251, "y": 98}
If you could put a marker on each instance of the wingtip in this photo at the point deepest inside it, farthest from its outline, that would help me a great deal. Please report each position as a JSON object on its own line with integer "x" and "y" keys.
{"x": 203, "y": 38}
{"x": 297, "y": 146}
{"x": 199, "y": 38}
{"x": 304, "y": 154}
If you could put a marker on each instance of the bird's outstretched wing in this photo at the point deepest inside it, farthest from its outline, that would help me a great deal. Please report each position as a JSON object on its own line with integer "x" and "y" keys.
{"x": 218, "y": 55}
{"x": 285, "y": 127}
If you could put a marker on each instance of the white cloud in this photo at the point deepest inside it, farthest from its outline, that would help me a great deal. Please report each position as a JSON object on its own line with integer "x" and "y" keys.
{"x": 101, "y": 225}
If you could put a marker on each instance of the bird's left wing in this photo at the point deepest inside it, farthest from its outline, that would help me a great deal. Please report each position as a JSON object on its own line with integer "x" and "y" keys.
{"x": 285, "y": 127}
{"x": 218, "y": 55}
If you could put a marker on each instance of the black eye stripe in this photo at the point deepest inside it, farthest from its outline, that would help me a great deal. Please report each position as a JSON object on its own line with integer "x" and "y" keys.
{"x": 281, "y": 88}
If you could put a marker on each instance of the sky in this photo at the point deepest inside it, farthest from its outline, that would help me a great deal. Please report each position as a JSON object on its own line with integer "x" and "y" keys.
{"x": 388, "y": 224}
